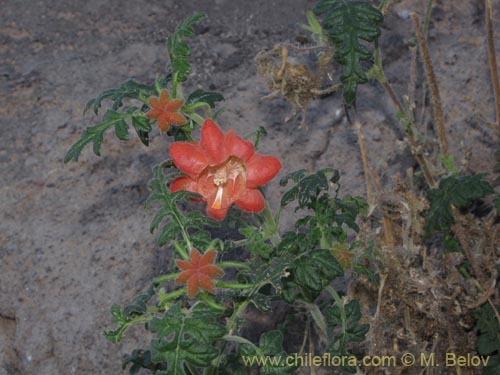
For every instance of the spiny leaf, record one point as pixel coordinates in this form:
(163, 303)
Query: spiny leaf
(347, 22)
(175, 221)
(185, 337)
(129, 90)
(459, 191)
(129, 315)
(178, 50)
(95, 134)
(307, 187)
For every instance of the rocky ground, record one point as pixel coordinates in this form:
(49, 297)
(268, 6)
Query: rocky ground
(74, 239)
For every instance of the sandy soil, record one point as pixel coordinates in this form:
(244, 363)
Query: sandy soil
(74, 239)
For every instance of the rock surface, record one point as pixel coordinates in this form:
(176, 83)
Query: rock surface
(74, 239)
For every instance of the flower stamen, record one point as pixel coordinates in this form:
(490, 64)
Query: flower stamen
(218, 198)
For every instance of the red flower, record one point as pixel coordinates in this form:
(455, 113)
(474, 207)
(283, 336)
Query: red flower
(165, 111)
(199, 272)
(224, 169)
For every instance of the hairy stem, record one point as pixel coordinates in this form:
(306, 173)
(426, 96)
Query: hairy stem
(364, 158)
(431, 78)
(492, 58)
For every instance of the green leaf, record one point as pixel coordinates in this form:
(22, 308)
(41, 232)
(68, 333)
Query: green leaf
(256, 242)
(459, 191)
(175, 221)
(129, 90)
(316, 270)
(178, 50)
(268, 273)
(271, 342)
(129, 315)
(201, 96)
(142, 127)
(261, 302)
(95, 134)
(138, 360)
(307, 187)
(488, 342)
(344, 327)
(347, 23)
(186, 338)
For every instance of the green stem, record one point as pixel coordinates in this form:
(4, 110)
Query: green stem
(209, 301)
(343, 316)
(427, 19)
(228, 264)
(234, 285)
(174, 84)
(173, 295)
(230, 325)
(194, 106)
(271, 225)
(382, 5)
(180, 249)
(164, 278)
(196, 118)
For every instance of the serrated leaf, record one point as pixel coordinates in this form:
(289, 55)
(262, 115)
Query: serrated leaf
(185, 337)
(307, 187)
(142, 127)
(129, 90)
(459, 191)
(174, 220)
(316, 270)
(201, 96)
(139, 359)
(95, 134)
(256, 243)
(271, 342)
(261, 302)
(178, 50)
(344, 327)
(347, 23)
(488, 343)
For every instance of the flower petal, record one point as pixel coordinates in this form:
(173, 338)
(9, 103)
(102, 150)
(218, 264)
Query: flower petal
(189, 157)
(155, 103)
(212, 139)
(261, 169)
(192, 286)
(195, 257)
(252, 201)
(184, 183)
(235, 145)
(217, 214)
(174, 105)
(175, 118)
(208, 257)
(164, 98)
(163, 122)
(206, 283)
(184, 264)
(212, 271)
(153, 113)
(184, 276)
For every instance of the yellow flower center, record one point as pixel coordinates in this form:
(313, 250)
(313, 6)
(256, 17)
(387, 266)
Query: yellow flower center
(224, 183)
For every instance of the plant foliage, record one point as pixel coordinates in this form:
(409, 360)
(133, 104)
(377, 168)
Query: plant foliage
(458, 191)
(347, 23)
